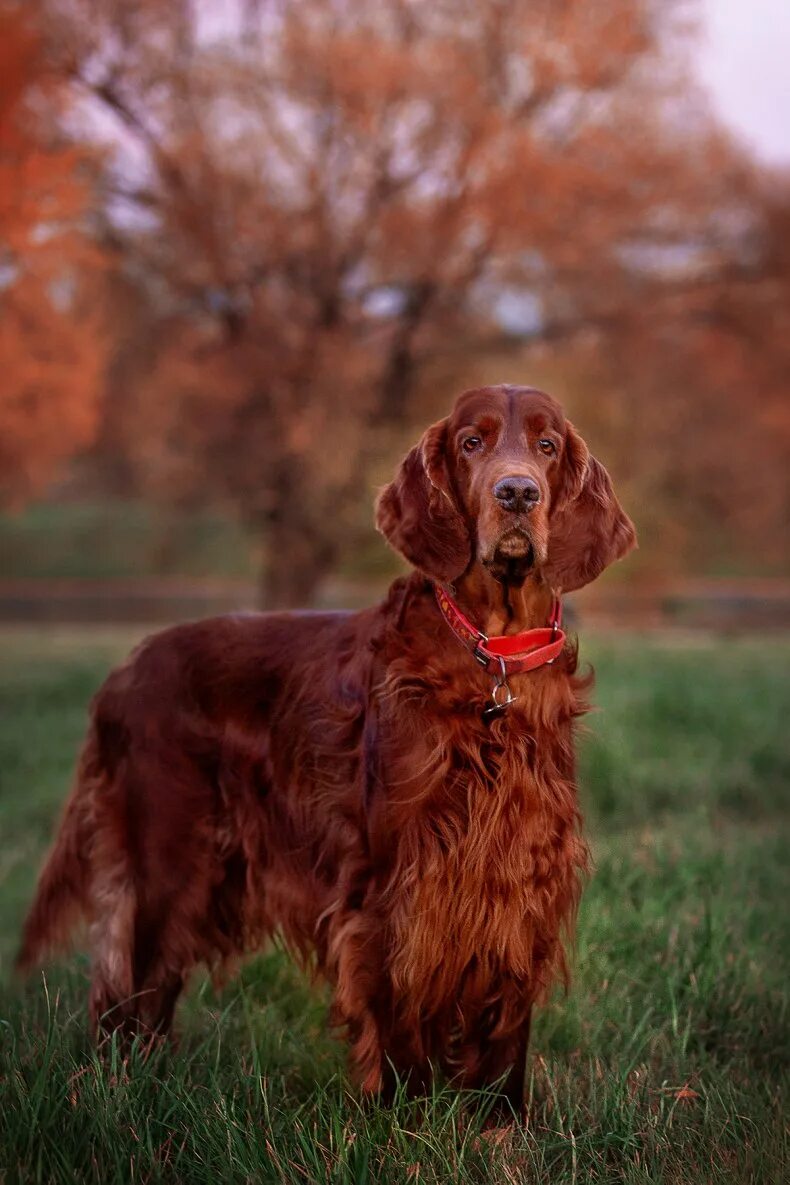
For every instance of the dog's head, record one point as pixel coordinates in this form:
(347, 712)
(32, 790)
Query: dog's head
(507, 482)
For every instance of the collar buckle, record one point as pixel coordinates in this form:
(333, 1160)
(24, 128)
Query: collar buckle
(480, 654)
(515, 653)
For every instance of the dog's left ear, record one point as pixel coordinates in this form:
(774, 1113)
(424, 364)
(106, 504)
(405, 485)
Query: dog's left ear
(417, 512)
(588, 527)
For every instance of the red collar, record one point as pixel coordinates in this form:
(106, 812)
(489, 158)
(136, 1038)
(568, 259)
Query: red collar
(509, 654)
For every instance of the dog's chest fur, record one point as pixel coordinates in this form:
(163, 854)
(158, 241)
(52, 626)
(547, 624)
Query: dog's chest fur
(485, 856)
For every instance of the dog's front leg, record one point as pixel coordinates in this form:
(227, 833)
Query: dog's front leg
(503, 1063)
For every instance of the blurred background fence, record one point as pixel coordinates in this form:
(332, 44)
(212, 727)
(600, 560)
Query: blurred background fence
(731, 606)
(249, 249)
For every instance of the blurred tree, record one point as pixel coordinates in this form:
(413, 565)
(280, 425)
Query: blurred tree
(317, 202)
(690, 396)
(52, 354)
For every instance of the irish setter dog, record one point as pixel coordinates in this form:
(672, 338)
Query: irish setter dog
(391, 791)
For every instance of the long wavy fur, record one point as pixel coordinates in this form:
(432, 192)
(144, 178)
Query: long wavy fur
(328, 779)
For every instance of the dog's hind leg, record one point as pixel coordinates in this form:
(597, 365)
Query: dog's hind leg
(111, 1005)
(133, 992)
(138, 970)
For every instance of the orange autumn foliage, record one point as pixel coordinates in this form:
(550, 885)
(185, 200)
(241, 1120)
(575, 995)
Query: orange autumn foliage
(52, 349)
(324, 217)
(319, 202)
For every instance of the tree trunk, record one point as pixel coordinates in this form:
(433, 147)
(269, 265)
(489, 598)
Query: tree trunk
(297, 557)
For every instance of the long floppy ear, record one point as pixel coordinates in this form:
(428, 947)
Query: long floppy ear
(589, 528)
(417, 513)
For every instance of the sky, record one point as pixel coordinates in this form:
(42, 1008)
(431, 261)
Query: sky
(744, 60)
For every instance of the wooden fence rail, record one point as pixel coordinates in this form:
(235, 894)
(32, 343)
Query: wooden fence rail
(691, 603)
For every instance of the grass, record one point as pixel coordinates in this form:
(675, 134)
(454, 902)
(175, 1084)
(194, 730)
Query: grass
(668, 1062)
(115, 538)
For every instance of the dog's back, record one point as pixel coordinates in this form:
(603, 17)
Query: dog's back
(186, 838)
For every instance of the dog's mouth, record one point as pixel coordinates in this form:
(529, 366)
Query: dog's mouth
(512, 557)
(515, 544)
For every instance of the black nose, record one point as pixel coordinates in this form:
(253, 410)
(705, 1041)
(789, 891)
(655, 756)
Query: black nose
(518, 494)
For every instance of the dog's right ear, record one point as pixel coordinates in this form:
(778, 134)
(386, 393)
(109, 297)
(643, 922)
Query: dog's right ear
(418, 515)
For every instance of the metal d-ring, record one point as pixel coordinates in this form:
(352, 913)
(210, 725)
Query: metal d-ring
(501, 685)
(501, 695)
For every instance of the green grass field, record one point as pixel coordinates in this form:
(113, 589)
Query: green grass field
(668, 1061)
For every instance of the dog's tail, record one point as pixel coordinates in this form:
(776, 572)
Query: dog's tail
(64, 884)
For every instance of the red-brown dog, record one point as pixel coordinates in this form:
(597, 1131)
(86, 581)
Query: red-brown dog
(391, 790)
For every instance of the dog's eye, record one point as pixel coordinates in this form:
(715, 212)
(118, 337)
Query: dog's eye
(471, 444)
(548, 447)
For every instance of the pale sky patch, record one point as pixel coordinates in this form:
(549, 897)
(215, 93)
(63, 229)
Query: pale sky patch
(744, 61)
